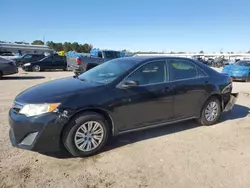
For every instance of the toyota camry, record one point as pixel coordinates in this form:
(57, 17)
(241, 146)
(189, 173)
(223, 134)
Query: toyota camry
(80, 113)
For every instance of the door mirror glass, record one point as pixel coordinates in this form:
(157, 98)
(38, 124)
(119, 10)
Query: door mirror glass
(129, 83)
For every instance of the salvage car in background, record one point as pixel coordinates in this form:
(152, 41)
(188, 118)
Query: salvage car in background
(240, 70)
(51, 62)
(7, 67)
(119, 96)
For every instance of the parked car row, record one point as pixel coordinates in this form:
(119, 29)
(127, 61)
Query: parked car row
(238, 70)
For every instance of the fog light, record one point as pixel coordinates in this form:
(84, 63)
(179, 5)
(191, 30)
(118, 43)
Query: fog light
(28, 140)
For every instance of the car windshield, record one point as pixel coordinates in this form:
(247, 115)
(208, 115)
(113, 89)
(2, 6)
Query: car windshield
(108, 71)
(243, 63)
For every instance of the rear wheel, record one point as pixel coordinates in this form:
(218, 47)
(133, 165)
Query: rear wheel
(211, 111)
(86, 134)
(1, 74)
(36, 68)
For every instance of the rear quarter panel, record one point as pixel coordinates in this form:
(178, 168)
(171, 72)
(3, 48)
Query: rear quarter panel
(7, 69)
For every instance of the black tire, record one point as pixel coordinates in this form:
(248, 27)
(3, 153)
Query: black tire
(66, 69)
(72, 127)
(1, 74)
(203, 120)
(36, 68)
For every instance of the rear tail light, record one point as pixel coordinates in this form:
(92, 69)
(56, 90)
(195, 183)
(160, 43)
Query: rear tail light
(230, 79)
(78, 61)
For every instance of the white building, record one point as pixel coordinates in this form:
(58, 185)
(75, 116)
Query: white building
(24, 48)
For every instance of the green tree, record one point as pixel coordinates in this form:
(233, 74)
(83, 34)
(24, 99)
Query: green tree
(37, 42)
(59, 47)
(201, 52)
(67, 46)
(75, 47)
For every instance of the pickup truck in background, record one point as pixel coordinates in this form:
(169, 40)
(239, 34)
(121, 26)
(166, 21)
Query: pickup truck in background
(97, 57)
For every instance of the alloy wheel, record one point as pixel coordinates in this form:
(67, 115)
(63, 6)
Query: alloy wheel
(212, 111)
(89, 136)
(36, 68)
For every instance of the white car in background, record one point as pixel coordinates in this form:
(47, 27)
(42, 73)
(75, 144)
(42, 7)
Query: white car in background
(7, 55)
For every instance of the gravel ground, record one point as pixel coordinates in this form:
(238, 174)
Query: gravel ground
(177, 156)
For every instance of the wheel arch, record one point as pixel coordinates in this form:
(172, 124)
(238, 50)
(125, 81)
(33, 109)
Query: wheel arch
(216, 95)
(98, 111)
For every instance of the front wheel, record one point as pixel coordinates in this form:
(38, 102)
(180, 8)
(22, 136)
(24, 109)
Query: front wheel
(36, 68)
(211, 111)
(86, 134)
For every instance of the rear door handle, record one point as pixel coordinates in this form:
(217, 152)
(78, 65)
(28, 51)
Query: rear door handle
(206, 83)
(167, 89)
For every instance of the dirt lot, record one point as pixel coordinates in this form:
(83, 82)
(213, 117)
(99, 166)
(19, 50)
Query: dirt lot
(176, 156)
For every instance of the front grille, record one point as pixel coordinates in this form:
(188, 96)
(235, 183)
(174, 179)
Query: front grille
(17, 107)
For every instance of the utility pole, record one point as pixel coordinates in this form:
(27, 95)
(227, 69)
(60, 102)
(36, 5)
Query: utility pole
(44, 39)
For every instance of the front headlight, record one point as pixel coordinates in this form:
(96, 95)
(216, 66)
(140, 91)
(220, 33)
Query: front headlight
(38, 109)
(27, 64)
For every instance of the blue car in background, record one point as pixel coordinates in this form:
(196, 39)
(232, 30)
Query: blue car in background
(240, 70)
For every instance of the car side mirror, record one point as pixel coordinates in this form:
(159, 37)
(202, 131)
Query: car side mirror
(129, 83)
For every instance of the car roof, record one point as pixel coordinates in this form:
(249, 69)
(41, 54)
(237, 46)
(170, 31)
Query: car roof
(143, 59)
(140, 59)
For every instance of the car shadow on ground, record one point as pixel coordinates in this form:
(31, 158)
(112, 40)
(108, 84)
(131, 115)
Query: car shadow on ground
(237, 112)
(22, 77)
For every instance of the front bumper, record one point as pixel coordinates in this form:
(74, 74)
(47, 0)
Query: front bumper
(26, 68)
(39, 133)
(231, 102)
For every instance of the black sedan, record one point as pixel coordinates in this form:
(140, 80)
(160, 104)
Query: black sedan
(116, 97)
(51, 62)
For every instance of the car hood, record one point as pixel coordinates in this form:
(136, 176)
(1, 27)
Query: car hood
(55, 91)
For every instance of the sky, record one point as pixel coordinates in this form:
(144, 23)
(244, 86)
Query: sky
(135, 25)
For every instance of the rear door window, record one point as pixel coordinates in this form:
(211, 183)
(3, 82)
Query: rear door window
(48, 59)
(182, 69)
